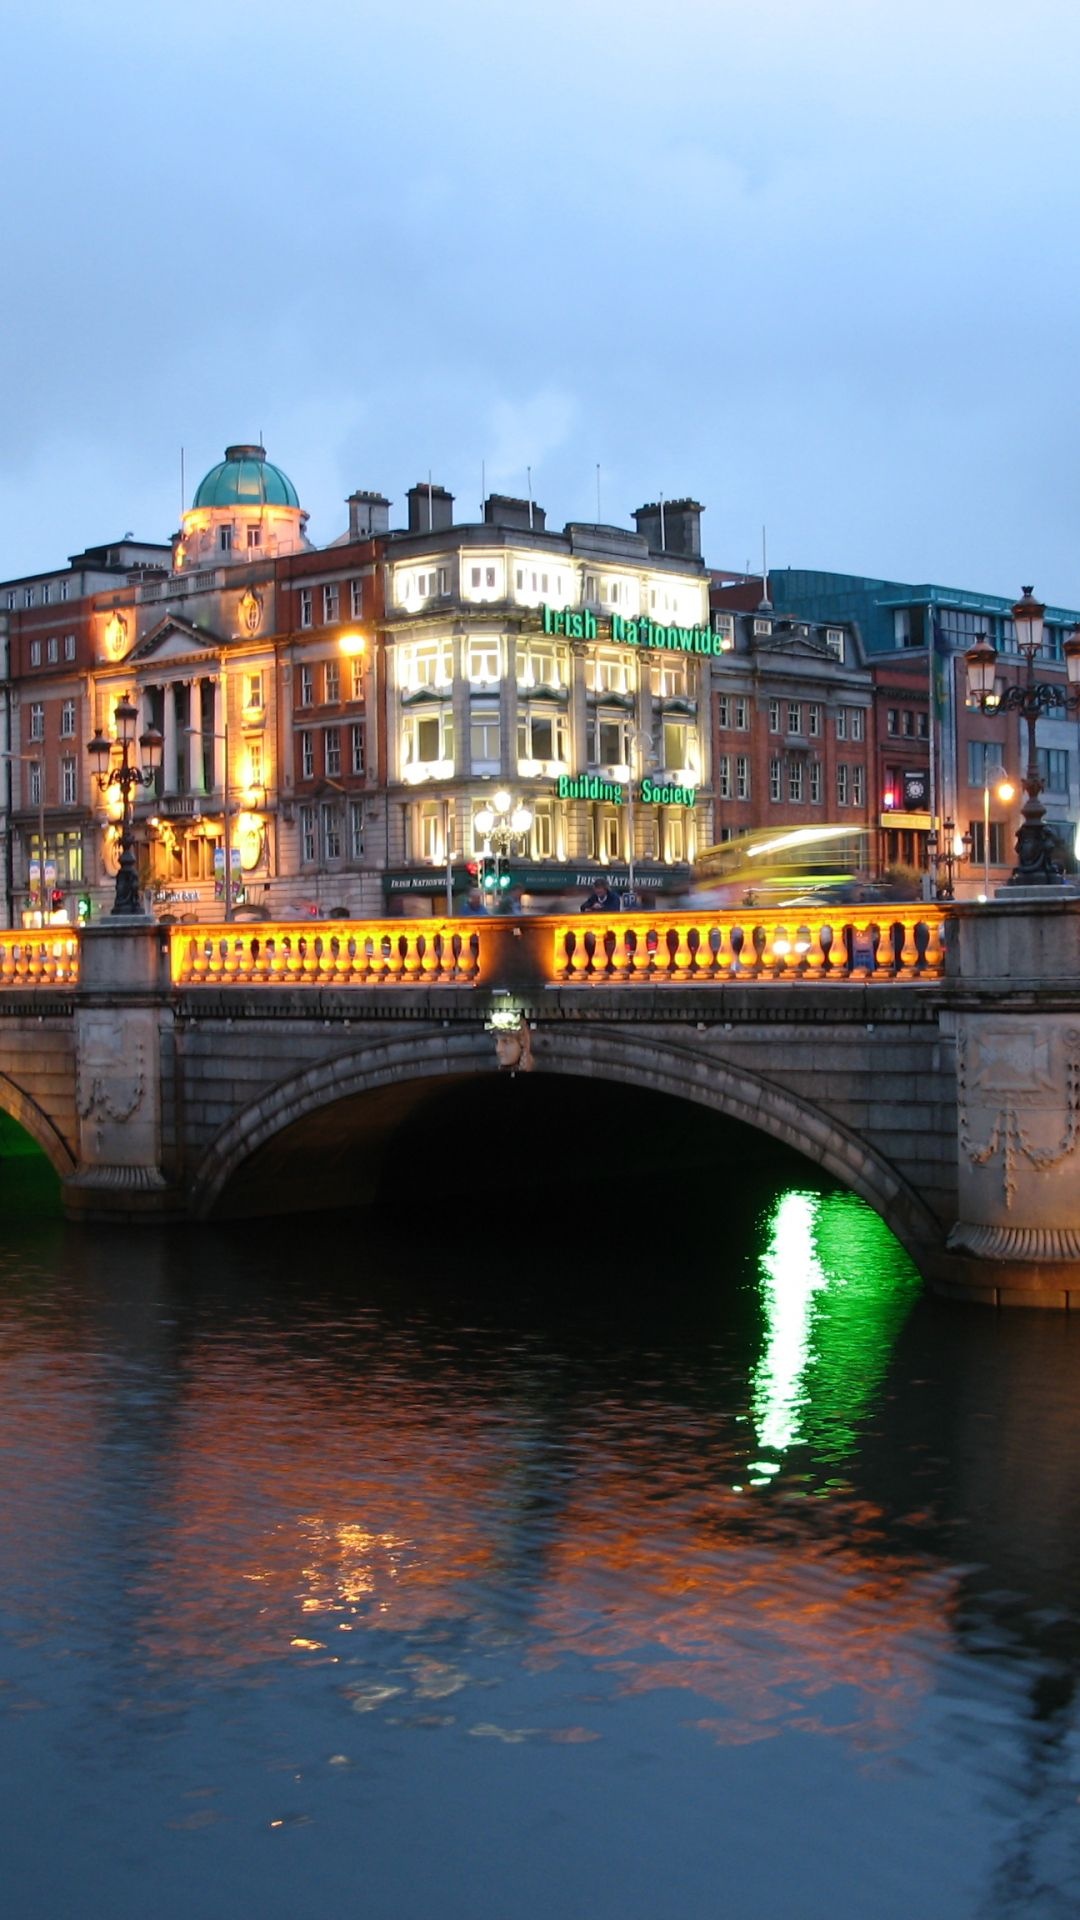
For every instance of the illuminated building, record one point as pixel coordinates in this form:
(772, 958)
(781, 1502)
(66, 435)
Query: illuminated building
(570, 669)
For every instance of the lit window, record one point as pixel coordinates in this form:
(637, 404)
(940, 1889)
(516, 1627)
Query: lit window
(543, 735)
(484, 739)
(482, 660)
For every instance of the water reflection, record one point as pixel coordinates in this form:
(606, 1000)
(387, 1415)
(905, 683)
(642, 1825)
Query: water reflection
(374, 1556)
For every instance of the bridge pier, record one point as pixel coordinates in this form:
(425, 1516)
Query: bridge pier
(121, 1023)
(1013, 970)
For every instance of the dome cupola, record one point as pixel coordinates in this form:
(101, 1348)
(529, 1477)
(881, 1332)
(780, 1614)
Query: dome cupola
(245, 508)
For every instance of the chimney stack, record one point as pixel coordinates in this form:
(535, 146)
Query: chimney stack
(672, 526)
(369, 514)
(431, 509)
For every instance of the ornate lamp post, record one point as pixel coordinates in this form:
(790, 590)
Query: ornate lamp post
(502, 821)
(124, 775)
(1031, 699)
(945, 852)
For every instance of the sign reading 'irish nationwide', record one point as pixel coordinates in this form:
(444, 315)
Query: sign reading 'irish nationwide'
(633, 633)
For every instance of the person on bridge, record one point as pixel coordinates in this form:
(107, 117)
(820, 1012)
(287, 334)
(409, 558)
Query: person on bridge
(473, 904)
(601, 899)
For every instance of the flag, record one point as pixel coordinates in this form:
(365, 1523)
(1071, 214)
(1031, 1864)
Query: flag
(939, 671)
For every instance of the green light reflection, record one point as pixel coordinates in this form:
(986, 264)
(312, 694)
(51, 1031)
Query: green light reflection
(835, 1289)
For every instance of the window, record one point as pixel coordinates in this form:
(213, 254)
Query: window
(37, 723)
(676, 738)
(65, 589)
(610, 673)
(985, 758)
(742, 776)
(332, 683)
(332, 752)
(68, 781)
(608, 739)
(307, 756)
(774, 716)
(858, 725)
(425, 663)
(542, 832)
(356, 689)
(254, 536)
(670, 678)
(484, 739)
(907, 724)
(330, 813)
(356, 599)
(674, 833)
(843, 785)
(46, 593)
(590, 593)
(35, 783)
(1054, 768)
(28, 597)
(482, 660)
(305, 607)
(813, 720)
(841, 723)
(607, 833)
(254, 752)
(69, 646)
(356, 829)
(815, 782)
(834, 640)
(52, 649)
(892, 721)
(307, 835)
(427, 737)
(329, 603)
(774, 779)
(763, 626)
(996, 844)
(543, 735)
(10, 599)
(307, 686)
(35, 653)
(542, 663)
(922, 726)
(224, 539)
(723, 776)
(858, 785)
(795, 781)
(724, 625)
(253, 690)
(67, 720)
(742, 715)
(356, 749)
(794, 716)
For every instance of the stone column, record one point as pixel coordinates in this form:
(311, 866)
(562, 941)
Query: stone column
(196, 777)
(171, 742)
(219, 685)
(1014, 972)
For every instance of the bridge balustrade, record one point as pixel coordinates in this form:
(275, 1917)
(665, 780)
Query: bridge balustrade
(39, 959)
(905, 944)
(746, 946)
(354, 953)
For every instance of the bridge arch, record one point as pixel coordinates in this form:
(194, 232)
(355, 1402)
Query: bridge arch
(579, 1050)
(36, 1122)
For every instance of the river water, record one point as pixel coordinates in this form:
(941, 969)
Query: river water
(425, 1568)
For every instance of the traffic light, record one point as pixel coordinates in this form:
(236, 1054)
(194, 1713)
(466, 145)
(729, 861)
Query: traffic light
(85, 905)
(57, 899)
(501, 881)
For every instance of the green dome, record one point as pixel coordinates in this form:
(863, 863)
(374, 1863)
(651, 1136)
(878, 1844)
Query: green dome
(245, 478)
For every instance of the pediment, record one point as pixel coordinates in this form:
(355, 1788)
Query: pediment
(176, 639)
(794, 645)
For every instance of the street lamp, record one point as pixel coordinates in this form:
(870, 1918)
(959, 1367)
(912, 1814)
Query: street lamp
(502, 821)
(640, 744)
(125, 775)
(945, 852)
(1031, 698)
(1005, 791)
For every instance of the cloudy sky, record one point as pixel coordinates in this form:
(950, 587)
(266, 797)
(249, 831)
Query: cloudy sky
(814, 261)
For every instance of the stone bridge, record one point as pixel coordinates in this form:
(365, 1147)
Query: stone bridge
(929, 1062)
